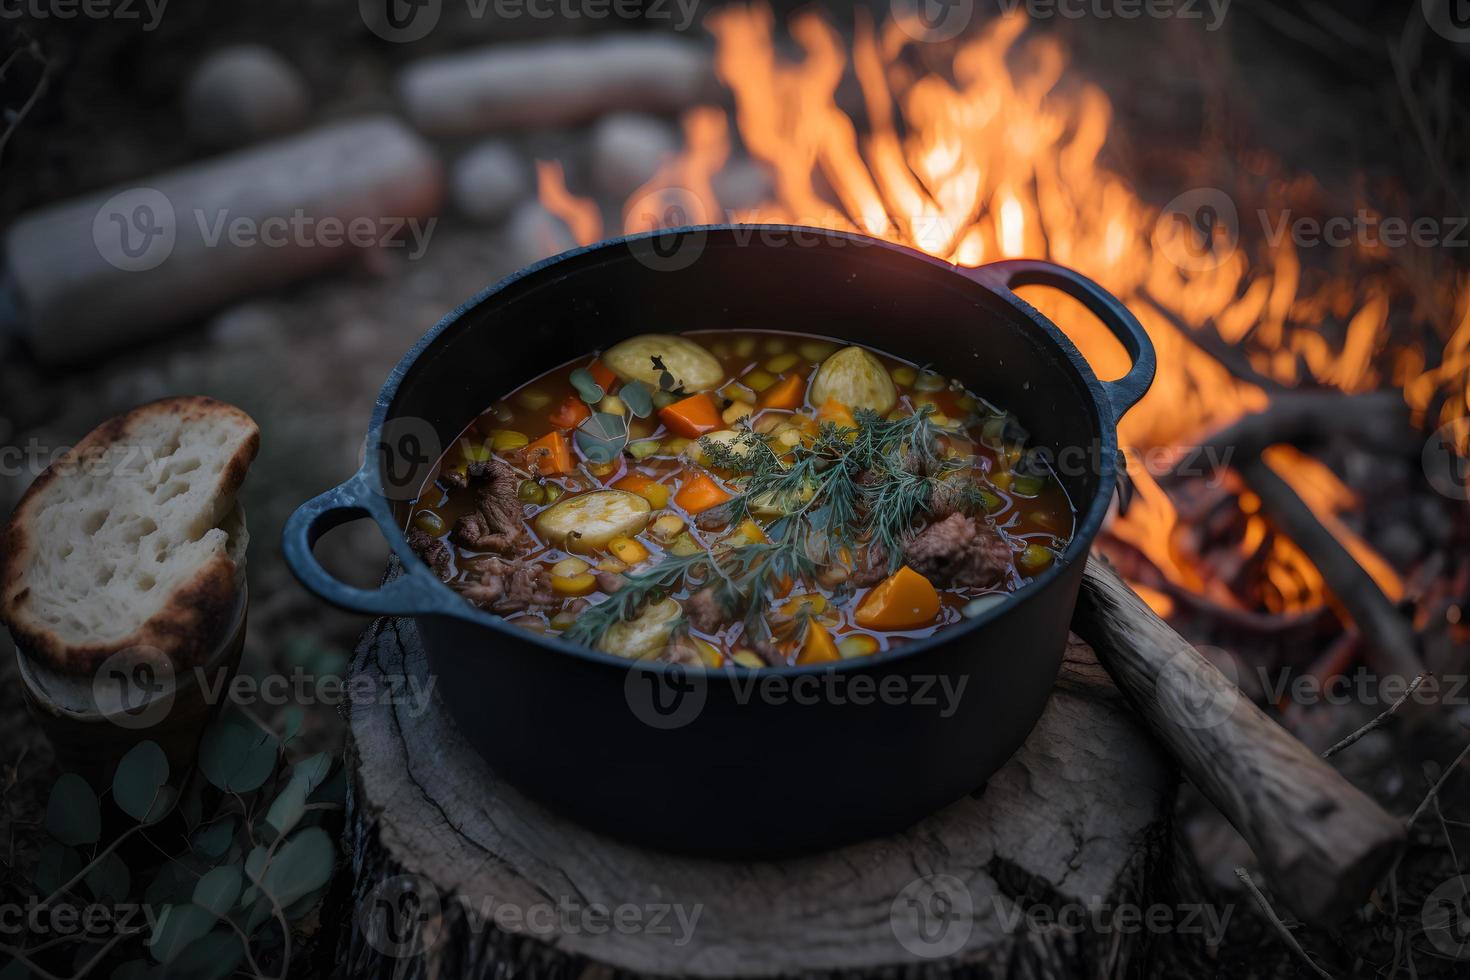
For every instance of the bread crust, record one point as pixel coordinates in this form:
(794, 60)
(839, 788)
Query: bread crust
(193, 617)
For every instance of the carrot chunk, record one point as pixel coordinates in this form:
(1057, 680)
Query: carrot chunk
(692, 417)
(785, 394)
(649, 489)
(570, 413)
(699, 493)
(550, 455)
(904, 600)
(818, 646)
(837, 413)
(603, 375)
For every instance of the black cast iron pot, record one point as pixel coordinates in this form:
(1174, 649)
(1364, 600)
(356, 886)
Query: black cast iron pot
(743, 762)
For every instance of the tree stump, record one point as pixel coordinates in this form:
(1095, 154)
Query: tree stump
(457, 874)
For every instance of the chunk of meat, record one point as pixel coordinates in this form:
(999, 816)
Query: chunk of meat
(610, 582)
(433, 552)
(871, 566)
(495, 524)
(705, 611)
(950, 497)
(508, 587)
(959, 551)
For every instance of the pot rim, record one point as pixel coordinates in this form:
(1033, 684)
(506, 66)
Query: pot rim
(369, 477)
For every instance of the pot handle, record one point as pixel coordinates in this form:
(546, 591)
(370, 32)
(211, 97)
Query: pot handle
(1125, 392)
(417, 592)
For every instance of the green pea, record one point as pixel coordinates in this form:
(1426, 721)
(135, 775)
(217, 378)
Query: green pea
(1035, 558)
(429, 522)
(530, 492)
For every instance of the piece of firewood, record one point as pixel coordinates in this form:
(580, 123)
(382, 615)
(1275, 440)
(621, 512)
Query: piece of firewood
(1322, 841)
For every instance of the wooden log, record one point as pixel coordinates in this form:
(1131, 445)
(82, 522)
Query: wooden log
(1388, 637)
(1323, 842)
(454, 870)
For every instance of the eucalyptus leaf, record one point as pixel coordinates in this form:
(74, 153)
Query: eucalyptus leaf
(109, 878)
(255, 863)
(170, 885)
(602, 436)
(177, 927)
(213, 840)
(259, 913)
(332, 790)
(58, 865)
(313, 769)
(138, 784)
(218, 890)
(212, 957)
(587, 387)
(292, 723)
(72, 813)
(237, 759)
(286, 809)
(301, 866)
(638, 398)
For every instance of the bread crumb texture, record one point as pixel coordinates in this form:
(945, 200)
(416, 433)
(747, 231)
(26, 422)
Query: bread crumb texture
(133, 538)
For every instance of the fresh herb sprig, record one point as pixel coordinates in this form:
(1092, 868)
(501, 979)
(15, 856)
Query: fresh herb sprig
(868, 483)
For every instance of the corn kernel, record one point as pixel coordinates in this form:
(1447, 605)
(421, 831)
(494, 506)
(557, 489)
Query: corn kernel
(758, 380)
(816, 350)
(857, 645)
(667, 527)
(748, 658)
(574, 585)
(782, 362)
(736, 412)
(534, 400)
(505, 440)
(904, 375)
(709, 653)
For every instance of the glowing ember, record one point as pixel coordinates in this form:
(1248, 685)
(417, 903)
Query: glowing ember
(996, 155)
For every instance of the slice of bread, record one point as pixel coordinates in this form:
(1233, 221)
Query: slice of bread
(132, 538)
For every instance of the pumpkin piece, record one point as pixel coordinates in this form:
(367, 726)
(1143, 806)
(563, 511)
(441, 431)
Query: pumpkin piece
(551, 455)
(699, 493)
(837, 413)
(786, 394)
(570, 413)
(904, 600)
(692, 417)
(646, 487)
(817, 647)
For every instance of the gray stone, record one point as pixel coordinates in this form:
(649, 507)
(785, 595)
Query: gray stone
(242, 94)
(536, 233)
(627, 150)
(490, 180)
(553, 83)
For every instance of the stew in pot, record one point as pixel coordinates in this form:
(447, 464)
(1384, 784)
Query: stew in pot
(751, 498)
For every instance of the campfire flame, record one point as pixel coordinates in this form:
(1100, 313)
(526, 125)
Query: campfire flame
(991, 150)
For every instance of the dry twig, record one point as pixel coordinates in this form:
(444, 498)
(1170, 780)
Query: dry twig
(1376, 722)
(1280, 926)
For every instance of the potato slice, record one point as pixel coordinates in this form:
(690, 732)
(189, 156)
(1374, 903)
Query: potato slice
(588, 521)
(855, 378)
(690, 364)
(644, 636)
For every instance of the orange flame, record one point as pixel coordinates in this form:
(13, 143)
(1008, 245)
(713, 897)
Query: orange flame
(999, 156)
